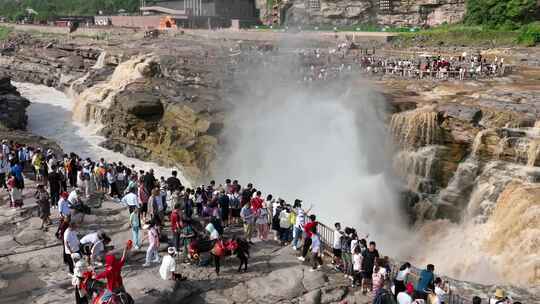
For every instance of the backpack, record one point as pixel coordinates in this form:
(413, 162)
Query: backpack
(234, 203)
(383, 296)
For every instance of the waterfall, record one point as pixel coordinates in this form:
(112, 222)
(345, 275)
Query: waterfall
(100, 62)
(459, 187)
(92, 102)
(415, 167)
(477, 143)
(415, 128)
(533, 153)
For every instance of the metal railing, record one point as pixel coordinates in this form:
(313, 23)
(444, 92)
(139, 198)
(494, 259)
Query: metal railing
(326, 234)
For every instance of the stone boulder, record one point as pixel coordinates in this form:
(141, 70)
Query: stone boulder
(143, 105)
(12, 106)
(279, 285)
(332, 295)
(74, 62)
(314, 280)
(466, 113)
(312, 297)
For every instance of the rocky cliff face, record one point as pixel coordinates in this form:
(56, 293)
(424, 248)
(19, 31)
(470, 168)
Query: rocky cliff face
(145, 109)
(150, 102)
(464, 153)
(12, 107)
(390, 12)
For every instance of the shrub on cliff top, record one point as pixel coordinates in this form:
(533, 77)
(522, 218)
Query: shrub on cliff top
(507, 14)
(50, 8)
(529, 34)
(4, 32)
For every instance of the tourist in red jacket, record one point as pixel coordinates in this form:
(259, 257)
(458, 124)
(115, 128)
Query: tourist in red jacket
(309, 227)
(113, 271)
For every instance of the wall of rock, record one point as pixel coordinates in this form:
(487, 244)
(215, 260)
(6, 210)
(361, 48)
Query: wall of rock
(381, 12)
(154, 103)
(12, 106)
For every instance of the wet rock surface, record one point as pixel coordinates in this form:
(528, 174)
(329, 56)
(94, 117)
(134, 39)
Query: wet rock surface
(12, 106)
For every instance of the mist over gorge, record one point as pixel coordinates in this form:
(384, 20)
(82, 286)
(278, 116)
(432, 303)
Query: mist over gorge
(440, 172)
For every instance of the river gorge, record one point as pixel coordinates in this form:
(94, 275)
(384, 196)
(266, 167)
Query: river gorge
(441, 172)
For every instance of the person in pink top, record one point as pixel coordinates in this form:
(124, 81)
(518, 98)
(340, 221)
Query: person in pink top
(152, 255)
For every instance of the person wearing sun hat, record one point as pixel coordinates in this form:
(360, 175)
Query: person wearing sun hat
(79, 269)
(167, 270)
(499, 297)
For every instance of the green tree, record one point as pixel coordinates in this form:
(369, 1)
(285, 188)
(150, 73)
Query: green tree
(49, 8)
(501, 13)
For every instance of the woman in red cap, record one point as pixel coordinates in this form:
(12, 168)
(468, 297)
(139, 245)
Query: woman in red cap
(63, 205)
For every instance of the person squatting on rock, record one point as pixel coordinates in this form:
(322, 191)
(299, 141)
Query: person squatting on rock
(167, 270)
(93, 246)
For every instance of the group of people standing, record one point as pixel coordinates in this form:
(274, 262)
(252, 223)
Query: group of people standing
(181, 216)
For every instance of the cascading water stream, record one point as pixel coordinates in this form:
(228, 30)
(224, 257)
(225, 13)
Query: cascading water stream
(49, 115)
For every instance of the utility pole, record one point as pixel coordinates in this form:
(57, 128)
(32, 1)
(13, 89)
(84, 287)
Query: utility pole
(143, 4)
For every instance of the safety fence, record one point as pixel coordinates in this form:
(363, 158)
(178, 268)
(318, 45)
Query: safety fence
(326, 234)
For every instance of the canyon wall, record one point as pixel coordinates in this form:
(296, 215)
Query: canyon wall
(159, 105)
(381, 12)
(469, 159)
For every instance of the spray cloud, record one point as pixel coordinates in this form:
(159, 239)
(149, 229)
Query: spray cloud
(322, 142)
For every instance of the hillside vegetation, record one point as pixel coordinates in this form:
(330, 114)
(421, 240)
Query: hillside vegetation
(486, 23)
(46, 9)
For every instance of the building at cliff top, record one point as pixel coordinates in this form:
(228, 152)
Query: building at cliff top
(353, 12)
(187, 13)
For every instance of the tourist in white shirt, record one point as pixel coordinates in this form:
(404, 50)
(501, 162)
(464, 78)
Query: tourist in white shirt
(74, 197)
(167, 270)
(499, 297)
(357, 266)
(63, 205)
(93, 245)
(402, 278)
(131, 200)
(336, 246)
(71, 244)
(441, 290)
(405, 297)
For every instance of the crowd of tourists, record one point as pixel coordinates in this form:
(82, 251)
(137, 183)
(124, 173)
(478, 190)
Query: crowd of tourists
(345, 59)
(323, 65)
(201, 225)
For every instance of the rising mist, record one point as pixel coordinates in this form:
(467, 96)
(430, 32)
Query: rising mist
(322, 142)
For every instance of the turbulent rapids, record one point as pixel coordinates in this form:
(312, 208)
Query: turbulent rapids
(494, 236)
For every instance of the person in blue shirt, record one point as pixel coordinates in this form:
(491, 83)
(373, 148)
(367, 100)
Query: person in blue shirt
(425, 283)
(16, 171)
(316, 249)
